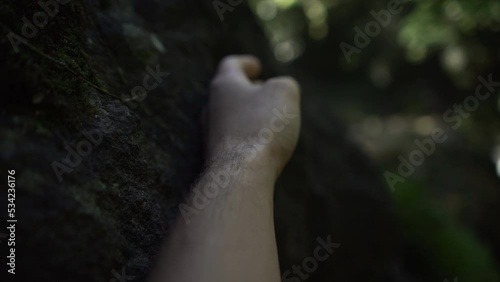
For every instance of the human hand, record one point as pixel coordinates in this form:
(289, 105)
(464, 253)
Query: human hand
(259, 120)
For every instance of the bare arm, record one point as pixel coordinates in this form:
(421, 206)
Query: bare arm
(226, 231)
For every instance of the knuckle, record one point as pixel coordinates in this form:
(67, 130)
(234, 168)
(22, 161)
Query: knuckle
(289, 84)
(219, 81)
(228, 60)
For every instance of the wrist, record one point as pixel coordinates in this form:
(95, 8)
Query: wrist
(251, 161)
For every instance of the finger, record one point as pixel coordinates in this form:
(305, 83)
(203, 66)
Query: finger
(245, 67)
(286, 84)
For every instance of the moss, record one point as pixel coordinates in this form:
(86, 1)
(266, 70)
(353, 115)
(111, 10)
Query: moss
(114, 209)
(49, 80)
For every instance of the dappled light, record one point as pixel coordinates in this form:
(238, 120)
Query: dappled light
(416, 81)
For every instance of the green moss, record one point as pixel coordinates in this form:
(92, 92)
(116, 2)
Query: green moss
(63, 40)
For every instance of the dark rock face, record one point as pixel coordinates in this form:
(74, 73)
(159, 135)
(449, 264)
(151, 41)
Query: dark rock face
(105, 216)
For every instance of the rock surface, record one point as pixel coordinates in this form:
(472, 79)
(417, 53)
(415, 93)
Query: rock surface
(106, 219)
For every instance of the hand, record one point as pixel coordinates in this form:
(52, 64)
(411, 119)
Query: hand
(252, 131)
(259, 120)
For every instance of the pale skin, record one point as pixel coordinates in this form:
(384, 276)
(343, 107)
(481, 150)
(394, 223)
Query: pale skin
(230, 237)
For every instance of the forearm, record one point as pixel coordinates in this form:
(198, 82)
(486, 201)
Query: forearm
(230, 237)
(226, 229)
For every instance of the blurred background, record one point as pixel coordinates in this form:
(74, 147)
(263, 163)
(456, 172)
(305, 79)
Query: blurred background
(378, 78)
(396, 90)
